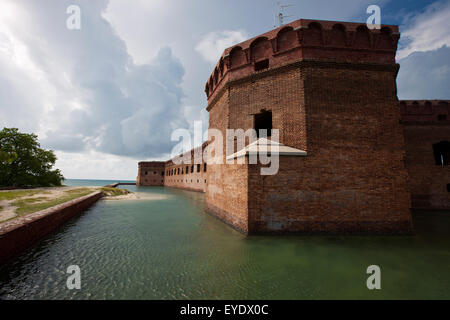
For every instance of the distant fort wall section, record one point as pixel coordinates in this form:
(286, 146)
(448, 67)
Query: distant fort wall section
(191, 176)
(426, 127)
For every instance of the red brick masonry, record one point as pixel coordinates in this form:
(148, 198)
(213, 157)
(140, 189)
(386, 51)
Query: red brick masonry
(21, 233)
(331, 90)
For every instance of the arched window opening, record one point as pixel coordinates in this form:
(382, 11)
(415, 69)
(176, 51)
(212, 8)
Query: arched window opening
(237, 57)
(338, 35)
(386, 41)
(442, 153)
(260, 49)
(362, 38)
(286, 39)
(313, 35)
(216, 77)
(221, 67)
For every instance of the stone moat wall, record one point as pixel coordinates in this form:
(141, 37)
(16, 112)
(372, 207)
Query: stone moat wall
(21, 233)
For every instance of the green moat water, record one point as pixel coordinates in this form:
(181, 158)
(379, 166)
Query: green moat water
(166, 247)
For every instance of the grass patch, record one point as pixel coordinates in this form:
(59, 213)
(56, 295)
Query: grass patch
(29, 201)
(26, 206)
(113, 192)
(11, 195)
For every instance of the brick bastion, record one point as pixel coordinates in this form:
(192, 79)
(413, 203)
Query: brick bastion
(330, 90)
(21, 233)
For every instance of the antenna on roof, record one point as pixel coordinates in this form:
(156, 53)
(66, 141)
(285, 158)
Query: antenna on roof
(281, 16)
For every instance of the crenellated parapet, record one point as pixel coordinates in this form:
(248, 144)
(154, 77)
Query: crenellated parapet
(305, 40)
(425, 111)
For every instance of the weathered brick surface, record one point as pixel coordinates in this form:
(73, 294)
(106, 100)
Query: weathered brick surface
(422, 128)
(340, 106)
(331, 89)
(150, 174)
(189, 176)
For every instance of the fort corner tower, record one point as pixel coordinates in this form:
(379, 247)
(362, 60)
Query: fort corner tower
(330, 90)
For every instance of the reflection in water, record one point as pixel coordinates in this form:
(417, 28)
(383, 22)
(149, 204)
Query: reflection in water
(163, 246)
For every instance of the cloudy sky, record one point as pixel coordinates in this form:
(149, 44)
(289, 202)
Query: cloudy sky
(110, 94)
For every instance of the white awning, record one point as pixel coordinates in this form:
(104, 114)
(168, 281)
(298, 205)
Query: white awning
(266, 146)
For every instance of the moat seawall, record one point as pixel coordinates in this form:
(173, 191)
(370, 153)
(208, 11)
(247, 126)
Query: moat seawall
(21, 233)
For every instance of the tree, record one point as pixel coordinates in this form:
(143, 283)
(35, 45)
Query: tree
(23, 163)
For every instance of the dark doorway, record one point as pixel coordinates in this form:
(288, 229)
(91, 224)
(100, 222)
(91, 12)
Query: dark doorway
(442, 153)
(262, 121)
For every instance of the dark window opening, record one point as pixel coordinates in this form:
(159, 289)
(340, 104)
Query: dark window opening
(261, 65)
(442, 117)
(146, 172)
(263, 121)
(154, 172)
(442, 153)
(162, 173)
(204, 167)
(187, 169)
(192, 169)
(448, 187)
(198, 167)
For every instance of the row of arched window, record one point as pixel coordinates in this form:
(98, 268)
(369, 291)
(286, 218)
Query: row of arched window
(154, 172)
(186, 170)
(187, 180)
(287, 38)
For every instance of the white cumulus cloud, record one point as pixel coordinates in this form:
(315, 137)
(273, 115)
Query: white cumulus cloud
(214, 43)
(426, 31)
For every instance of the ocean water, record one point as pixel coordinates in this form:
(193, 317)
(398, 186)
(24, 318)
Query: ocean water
(92, 183)
(165, 246)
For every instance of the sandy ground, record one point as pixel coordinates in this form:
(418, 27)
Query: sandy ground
(139, 196)
(7, 210)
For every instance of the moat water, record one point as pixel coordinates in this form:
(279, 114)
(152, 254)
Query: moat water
(165, 247)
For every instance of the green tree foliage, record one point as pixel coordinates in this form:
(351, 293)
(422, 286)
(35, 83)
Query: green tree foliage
(23, 163)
